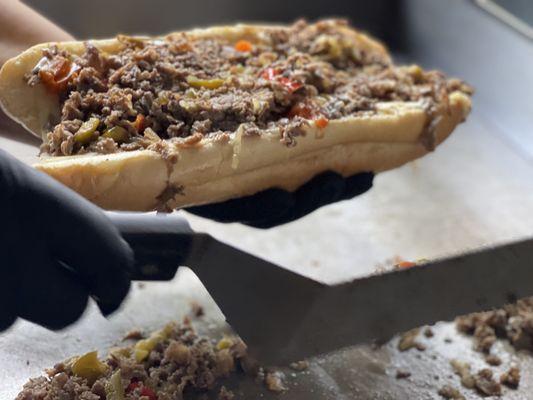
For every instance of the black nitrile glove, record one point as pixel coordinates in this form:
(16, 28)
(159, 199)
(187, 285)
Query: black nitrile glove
(274, 207)
(56, 249)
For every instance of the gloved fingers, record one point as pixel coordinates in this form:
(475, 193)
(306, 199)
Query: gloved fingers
(326, 188)
(357, 184)
(7, 298)
(80, 235)
(103, 267)
(7, 318)
(72, 230)
(268, 204)
(323, 189)
(10, 280)
(282, 217)
(50, 295)
(275, 207)
(99, 256)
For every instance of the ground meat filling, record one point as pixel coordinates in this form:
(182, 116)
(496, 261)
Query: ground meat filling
(181, 87)
(174, 363)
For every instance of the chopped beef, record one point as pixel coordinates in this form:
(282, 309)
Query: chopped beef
(197, 310)
(134, 334)
(178, 353)
(225, 394)
(485, 337)
(174, 363)
(513, 322)
(463, 370)
(428, 332)
(182, 89)
(485, 383)
(511, 378)
(60, 386)
(408, 341)
(493, 360)
(274, 381)
(299, 365)
(170, 364)
(449, 392)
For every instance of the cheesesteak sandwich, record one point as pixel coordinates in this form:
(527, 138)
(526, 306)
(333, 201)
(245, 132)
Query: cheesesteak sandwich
(207, 115)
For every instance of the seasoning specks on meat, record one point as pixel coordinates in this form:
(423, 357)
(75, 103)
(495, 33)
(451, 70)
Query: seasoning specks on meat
(183, 87)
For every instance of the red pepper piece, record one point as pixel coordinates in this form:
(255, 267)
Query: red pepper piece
(301, 110)
(243, 46)
(405, 264)
(289, 84)
(139, 123)
(144, 390)
(270, 73)
(56, 74)
(321, 122)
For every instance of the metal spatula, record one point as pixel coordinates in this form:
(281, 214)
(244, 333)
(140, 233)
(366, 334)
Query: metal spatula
(283, 316)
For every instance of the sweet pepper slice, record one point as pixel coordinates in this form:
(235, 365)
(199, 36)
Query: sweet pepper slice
(86, 133)
(114, 389)
(88, 366)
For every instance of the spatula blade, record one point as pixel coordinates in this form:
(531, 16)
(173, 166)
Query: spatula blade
(284, 317)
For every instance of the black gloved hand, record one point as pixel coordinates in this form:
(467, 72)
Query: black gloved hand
(274, 207)
(56, 249)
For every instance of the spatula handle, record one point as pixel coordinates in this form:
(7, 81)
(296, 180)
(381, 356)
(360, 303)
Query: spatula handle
(160, 242)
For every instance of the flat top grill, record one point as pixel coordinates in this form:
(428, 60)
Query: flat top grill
(476, 189)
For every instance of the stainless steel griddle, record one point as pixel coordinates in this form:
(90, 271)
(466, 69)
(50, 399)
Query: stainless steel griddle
(477, 189)
(354, 373)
